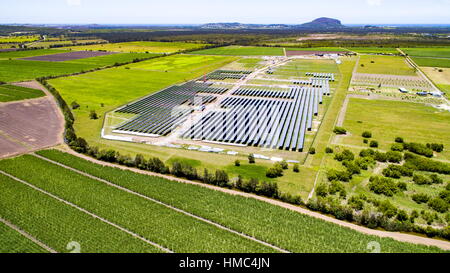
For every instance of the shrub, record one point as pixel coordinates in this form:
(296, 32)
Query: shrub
(435, 179)
(397, 147)
(397, 171)
(399, 140)
(322, 190)
(419, 149)
(221, 178)
(387, 209)
(237, 163)
(366, 134)
(289, 198)
(93, 115)
(421, 180)
(339, 131)
(365, 141)
(402, 216)
(364, 162)
(380, 157)
(74, 105)
(438, 205)
(335, 175)
(296, 168)
(80, 145)
(328, 150)
(337, 187)
(275, 171)
(373, 144)
(426, 164)
(367, 153)
(312, 150)
(352, 167)
(394, 157)
(436, 147)
(420, 198)
(383, 185)
(284, 165)
(251, 159)
(344, 155)
(269, 189)
(356, 203)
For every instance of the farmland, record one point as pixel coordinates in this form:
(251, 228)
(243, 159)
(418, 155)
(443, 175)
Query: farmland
(437, 52)
(242, 51)
(19, 39)
(13, 93)
(421, 123)
(373, 50)
(392, 65)
(432, 62)
(275, 225)
(12, 241)
(440, 76)
(141, 47)
(54, 43)
(14, 69)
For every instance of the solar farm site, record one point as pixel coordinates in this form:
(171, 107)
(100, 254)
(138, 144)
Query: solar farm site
(225, 108)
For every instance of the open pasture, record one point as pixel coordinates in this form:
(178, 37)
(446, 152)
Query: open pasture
(141, 47)
(432, 62)
(390, 119)
(28, 53)
(50, 43)
(374, 50)
(13, 93)
(391, 65)
(437, 52)
(242, 51)
(68, 56)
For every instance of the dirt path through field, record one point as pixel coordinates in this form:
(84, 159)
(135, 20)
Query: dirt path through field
(394, 235)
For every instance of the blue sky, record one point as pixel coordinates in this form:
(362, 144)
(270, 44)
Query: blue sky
(207, 11)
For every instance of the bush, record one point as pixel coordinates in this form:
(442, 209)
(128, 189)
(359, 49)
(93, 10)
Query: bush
(251, 159)
(383, 185)
(419, 149)
(420, 198)
(93, 115)
(373, 144)
(312, 150)
(365, 141)
(367, 153)
(402, 216)
(269, 189)
(322, 190)
(387, 209)
(296, 168)
(426, 164)
(435, 179)
(421, 180)
(397, 171)
(221, 178)
(289, 198)
(275, 171)
(328, 150)
(356, 203)
(364, 162)
(237, 163)
(436, 147)
(438, 205)
(366, 134)
(380, 157)
(344, 155)
(284, 165)
(399, 140)
(352, 167)
(335, 175)
(397, 147)
(394, 157)
(337, 187)
(74, 105)
(339, 131)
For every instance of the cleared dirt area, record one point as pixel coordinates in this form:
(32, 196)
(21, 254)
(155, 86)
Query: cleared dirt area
(29, 125)
(68, 56)
(290, 53)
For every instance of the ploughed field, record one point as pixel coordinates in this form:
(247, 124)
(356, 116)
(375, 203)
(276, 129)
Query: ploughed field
(29, 125)
(139, 213)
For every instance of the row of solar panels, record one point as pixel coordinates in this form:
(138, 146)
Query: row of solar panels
(276, 124)
(162, 111)
(329, 76)
(228, 74)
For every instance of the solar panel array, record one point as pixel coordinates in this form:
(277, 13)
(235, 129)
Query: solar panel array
(329, 76)
(261, 122)
(159, 113)
(228, 74)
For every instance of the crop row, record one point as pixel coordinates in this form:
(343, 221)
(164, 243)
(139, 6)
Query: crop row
(282, 227)
(12, 241)
(155, 222)
(57, 224)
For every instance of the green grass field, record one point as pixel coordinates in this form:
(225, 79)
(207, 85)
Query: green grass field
(391, 65)
(373, 50)
(14, 69)
(242, 51)
(47, 44)
(13, 93)
(19, 39)
(147, 47)
(431, 62)
(440, 52)
(337, 49)
(264, 221)
(390, 119)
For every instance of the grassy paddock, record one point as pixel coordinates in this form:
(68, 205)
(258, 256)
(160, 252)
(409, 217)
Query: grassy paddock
(391, 65)
(242, 51)
(143, 46)
(432, 62)
(441, 52)
(13, 93)
(390, 119)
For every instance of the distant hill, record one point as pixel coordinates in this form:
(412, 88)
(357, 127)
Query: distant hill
(323, 23)
(320, 23)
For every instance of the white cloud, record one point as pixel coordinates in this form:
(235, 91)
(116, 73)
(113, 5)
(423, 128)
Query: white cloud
(374, 2)
(73, 3)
